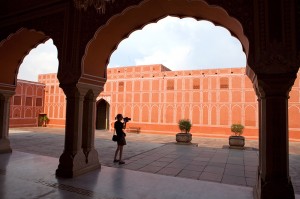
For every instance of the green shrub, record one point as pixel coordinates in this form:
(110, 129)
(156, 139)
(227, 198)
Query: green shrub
(185, 125)
(44, 118)
(237, 129)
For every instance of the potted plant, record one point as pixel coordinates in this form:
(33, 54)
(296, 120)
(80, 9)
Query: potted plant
(44, 119)
(236, 140)
(185, 136)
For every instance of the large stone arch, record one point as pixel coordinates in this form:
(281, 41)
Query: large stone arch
(119, 27)
(20, 43)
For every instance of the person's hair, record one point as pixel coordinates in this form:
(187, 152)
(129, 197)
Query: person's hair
(119, 116)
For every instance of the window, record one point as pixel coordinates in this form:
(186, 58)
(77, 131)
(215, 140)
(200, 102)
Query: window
(170, 84)
(28, 101)
(224, 83)
(17, 100)
(52, 89)
(196, 83)
(121, 86)
(38, 102)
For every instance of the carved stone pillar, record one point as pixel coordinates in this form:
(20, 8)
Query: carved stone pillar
(273, 172)
(4, 121)
(259, 100)
(73, 161)
(88, 126)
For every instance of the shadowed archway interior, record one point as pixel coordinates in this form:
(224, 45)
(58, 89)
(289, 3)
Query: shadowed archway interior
(102, 118)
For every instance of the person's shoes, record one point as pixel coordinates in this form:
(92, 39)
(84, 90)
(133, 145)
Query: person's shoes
(121, 162)
(115, 161)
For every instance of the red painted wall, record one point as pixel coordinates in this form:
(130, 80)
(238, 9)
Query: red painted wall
(26, 104)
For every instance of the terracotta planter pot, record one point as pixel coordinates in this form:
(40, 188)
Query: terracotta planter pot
(236, 141)
(184, 137)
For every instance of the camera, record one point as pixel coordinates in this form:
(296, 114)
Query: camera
(126, 119)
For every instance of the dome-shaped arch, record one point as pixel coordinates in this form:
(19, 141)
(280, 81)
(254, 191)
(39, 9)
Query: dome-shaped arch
(120, 109)
(127, 112)
(107, 37)
(179, 112)
(16, 113)
(186, 112)
(224, 115)
(205, 114)
(213, 115)
(294, 116)
(236, 113)
(154, 114)
(29, 90)
(250, 115)
(20, 43)
(169, 116)
(136, 113)
(196, 114)
(145, 113)
(28, 113)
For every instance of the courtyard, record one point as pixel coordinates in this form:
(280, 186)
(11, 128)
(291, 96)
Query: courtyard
(207, 159)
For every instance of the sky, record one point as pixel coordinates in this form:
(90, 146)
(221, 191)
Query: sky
(179, 44)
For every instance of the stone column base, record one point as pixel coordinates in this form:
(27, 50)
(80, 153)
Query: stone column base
(71, 166)
(5, 146)
(277, 188)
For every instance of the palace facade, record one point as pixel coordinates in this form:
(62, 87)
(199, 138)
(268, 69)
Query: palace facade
(155, 98)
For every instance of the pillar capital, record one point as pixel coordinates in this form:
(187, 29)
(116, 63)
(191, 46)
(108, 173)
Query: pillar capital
(6, 94)
(81, 89)
(274, 85)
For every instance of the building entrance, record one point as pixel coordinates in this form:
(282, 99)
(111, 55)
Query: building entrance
(102, 118)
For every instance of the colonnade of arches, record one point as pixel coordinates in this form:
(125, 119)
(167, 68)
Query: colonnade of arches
(84, 51)
(198, 114)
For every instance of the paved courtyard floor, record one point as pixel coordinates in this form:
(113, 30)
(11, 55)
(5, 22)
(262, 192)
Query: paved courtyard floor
(207, 159)
(31, 176)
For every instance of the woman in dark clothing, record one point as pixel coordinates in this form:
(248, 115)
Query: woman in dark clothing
(119, 126)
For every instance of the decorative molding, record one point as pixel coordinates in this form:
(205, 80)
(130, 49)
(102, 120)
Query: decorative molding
(274, 85)
(104, 97)
(277, 59)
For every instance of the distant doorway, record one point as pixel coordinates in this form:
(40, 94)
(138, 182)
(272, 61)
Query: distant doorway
(102, 118)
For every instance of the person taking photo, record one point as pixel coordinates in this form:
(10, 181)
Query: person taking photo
(121, 141)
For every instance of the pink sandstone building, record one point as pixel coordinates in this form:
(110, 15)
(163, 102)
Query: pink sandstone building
(155, 98)
(27, 104)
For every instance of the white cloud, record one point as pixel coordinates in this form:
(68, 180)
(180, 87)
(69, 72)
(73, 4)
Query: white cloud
(41, 60)
(166, 41)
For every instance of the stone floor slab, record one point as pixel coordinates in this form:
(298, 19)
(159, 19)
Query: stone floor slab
(236, 180)
(214, 169)
(210, 177)
(189, 174)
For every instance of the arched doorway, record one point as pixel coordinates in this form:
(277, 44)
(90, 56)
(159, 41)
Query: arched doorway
(102, 115)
